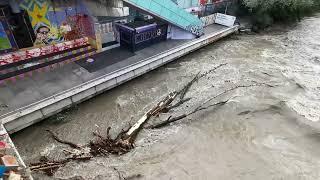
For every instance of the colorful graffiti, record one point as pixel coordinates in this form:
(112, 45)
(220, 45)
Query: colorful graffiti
(41, 51)
(4, 40)
(57, 21)
(7, 42)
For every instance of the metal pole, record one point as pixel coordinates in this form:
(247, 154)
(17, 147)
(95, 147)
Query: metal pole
(225, 11)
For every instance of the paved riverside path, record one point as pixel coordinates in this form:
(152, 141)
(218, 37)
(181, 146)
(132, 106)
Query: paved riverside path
(15, 96)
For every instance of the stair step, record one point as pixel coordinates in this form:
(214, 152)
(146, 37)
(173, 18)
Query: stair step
(23, 56)
(47, 66)
(43, 59)
(18, 63)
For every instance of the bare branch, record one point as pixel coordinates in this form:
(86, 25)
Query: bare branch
(212, 70)
(55, 137)
(229, 90)
(124, 141)
(171, 120)
(203, 107)
(187, 87)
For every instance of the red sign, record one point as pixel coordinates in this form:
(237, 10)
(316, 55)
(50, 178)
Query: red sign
(203, 2)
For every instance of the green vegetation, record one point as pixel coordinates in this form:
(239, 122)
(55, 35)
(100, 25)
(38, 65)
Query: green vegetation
(266, 12)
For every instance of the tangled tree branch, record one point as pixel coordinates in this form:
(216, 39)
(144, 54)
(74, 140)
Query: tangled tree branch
(103, 146)
(171, 120)
(55, 137)
(212, 70)
(124, 141)
(50, 167)
(203, 107)
(187, 87)
(234, 88)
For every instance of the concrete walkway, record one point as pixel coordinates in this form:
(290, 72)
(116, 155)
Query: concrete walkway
(34, 98)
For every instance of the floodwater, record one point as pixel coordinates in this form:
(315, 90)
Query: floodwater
(261, 133)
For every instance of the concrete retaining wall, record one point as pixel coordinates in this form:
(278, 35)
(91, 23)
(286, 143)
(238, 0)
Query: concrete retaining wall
(35, 112)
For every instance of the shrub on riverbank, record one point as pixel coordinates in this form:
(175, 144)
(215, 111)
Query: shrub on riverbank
(266, 12)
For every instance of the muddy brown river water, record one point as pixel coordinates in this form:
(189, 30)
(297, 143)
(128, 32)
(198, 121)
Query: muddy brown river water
(261, 133)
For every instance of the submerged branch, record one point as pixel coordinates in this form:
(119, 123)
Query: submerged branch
(171, 120)
(203, 106)
(55, 137)
(124, 141)
(187, 87)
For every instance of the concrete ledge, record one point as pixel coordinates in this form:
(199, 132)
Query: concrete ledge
(26, 116)
(141, 70)
(25, 121)
(56, 107)
(106, 85)
(155, 64)
(82, 96)
(125, 77)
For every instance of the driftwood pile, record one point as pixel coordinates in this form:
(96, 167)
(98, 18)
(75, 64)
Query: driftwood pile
(124, 141)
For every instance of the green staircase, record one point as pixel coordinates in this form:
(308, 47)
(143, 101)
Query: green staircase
(167, 10)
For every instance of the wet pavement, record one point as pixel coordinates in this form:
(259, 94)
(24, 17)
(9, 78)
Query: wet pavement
(261, 133)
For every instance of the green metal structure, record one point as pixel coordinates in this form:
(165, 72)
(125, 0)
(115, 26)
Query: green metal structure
(169, 11)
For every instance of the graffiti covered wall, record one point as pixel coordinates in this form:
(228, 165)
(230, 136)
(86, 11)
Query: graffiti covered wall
(7, 42)
(56, 21)
(4, 40)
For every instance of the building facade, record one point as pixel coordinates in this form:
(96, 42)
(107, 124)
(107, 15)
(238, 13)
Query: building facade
(43, 22)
